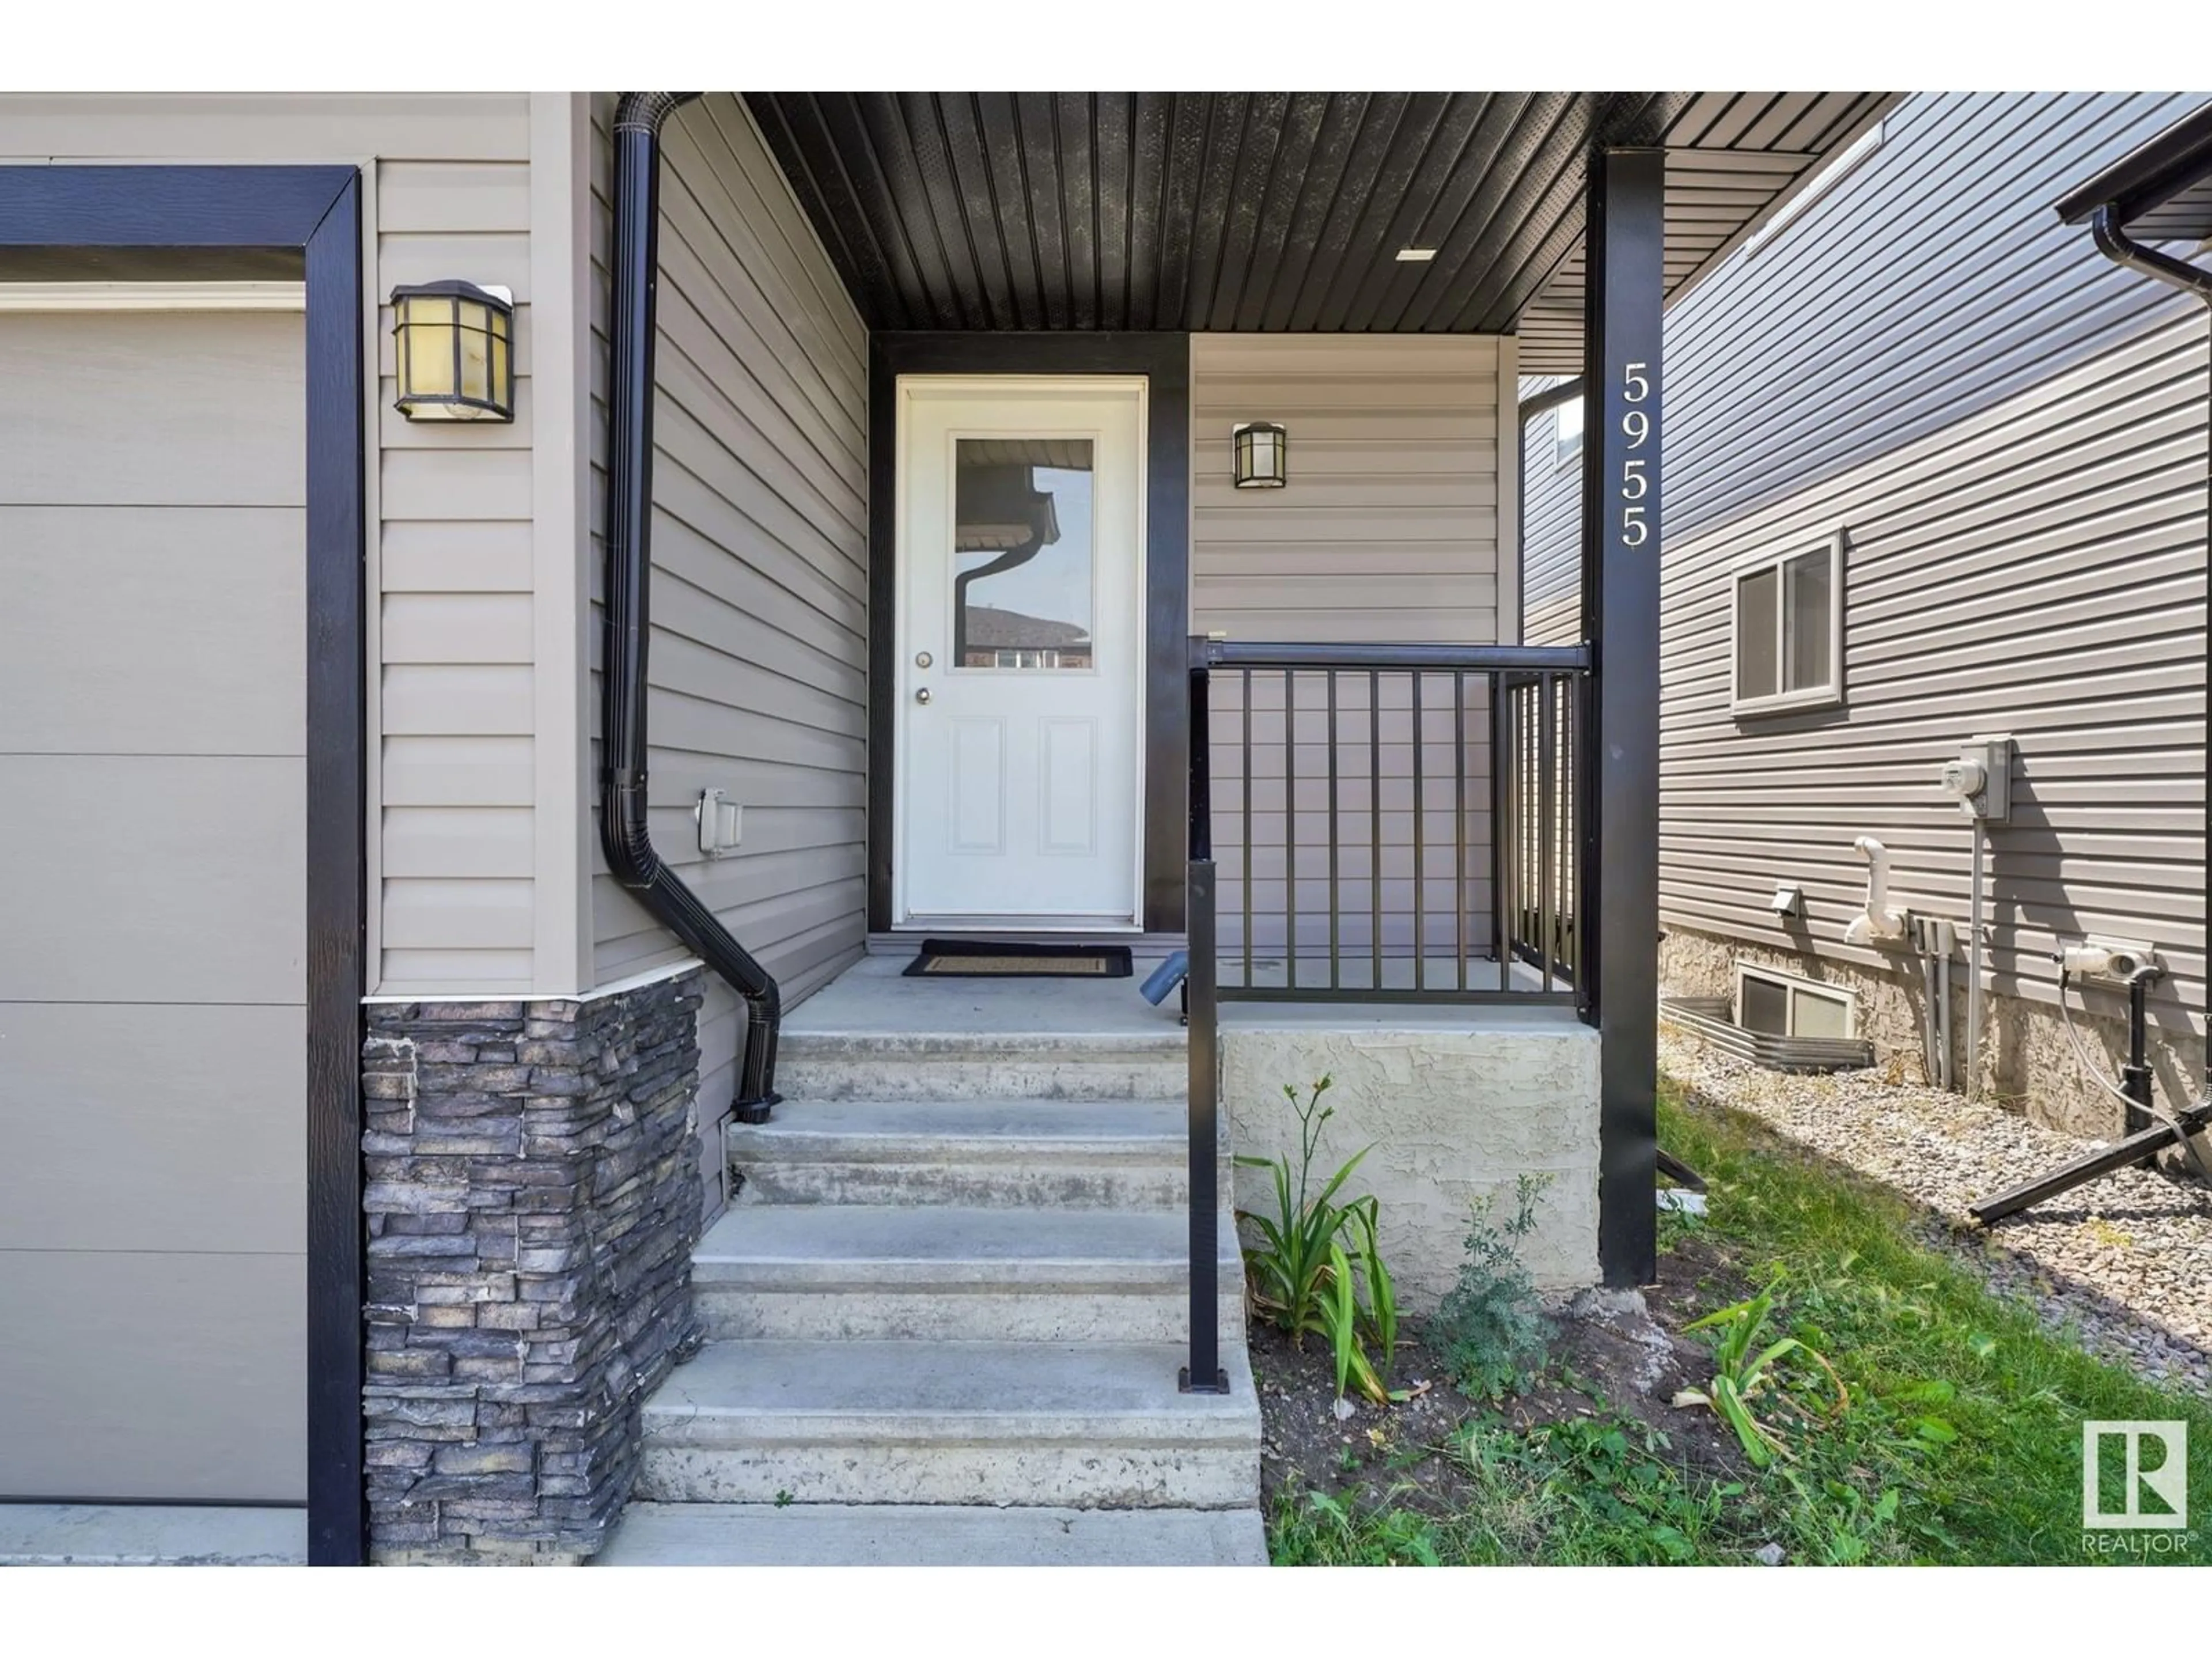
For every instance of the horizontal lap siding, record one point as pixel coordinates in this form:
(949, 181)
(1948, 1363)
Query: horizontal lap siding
(1387, 534)
(2033, 564)
(448, 183)
(759, 664)
(1551, 537)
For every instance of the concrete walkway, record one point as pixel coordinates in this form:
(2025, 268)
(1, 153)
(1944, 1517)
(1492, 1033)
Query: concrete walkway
(151, 1535)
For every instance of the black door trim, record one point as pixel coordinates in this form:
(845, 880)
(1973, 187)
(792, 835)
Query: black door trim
(1164, 360)
(120, 222)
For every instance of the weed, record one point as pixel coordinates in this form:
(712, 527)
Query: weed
(1489, 1331)
(1743, 1371)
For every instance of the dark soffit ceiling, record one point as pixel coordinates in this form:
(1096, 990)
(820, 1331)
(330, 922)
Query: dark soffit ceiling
(1269, 211)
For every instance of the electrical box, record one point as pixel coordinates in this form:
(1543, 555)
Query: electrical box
(1980, 780)
(1931, 936)
(722, 823)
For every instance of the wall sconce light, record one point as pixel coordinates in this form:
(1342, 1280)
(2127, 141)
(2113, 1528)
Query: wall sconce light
(455, 348)
(1262, 456)
(1789, 900)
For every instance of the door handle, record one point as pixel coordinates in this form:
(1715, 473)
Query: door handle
(923, 695)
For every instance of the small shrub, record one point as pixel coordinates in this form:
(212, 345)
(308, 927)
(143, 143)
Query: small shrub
(1490, 1332)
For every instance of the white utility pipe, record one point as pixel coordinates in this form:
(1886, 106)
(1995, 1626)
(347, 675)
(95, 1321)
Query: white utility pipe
(1877, 922)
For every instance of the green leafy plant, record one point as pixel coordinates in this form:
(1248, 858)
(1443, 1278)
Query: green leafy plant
(1301, 1276)
(1489, 1333)
(1744, 1372)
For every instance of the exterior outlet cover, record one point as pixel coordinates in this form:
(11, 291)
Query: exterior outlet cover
(722, 823)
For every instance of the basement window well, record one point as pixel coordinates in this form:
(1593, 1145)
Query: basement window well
(1780, 1005)
(1788, 629)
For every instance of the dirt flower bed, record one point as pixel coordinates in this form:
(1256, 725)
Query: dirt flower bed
(1609, 1354)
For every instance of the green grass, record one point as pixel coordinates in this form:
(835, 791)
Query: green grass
(1961, 1444)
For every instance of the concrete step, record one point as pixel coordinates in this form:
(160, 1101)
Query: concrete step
(1035, 1424)
(831, 1273)
(1075, 1065)
(931, 1535)
(1112, 1155)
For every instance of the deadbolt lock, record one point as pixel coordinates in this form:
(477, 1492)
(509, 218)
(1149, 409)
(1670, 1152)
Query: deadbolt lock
(922, 659)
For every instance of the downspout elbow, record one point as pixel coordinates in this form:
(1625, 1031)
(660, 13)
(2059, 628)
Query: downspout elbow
(2115, 244)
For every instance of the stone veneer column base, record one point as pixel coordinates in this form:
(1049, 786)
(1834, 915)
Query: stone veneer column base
(532, 1201)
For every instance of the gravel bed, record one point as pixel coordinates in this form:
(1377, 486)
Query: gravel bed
(2125, 1261)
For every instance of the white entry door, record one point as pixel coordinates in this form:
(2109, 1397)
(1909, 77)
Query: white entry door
(1021, 652)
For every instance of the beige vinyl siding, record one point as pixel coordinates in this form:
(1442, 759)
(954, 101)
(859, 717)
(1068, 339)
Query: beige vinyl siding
(458, 782)
(2036, 569)
(1387, 534)
(758, 661)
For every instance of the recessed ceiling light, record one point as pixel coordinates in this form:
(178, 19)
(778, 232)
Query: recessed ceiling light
(1416, 256)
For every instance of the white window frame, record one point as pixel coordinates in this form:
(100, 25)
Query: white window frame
(1793, 983)
(1830, 693)
(1567, 449)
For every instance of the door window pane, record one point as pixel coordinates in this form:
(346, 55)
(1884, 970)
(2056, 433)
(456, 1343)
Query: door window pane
(1022, 584)
(1755, 667)
(1806, 621)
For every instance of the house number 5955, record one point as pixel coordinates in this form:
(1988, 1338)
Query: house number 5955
(1635, 472)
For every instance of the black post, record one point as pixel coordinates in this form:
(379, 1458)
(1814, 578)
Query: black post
(1201, 756)
(1204, 1374)
(2135, 1076)
(1618, 893)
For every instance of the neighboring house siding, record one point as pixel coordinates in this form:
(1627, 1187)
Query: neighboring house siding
(2011, 433)
(758, 661)
(1550, 535)
(1388, 532)
(458, 782)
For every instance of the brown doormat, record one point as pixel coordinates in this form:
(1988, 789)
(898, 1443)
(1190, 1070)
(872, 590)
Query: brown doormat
(960, 958)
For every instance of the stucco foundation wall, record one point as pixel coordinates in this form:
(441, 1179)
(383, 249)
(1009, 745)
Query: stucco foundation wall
(1453, 1115)
(2027, 1064)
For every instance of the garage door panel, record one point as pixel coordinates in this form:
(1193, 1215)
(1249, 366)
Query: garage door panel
(137, 1127)
(145, 631)
(153, 878)
(153, 1376)
(153, 408)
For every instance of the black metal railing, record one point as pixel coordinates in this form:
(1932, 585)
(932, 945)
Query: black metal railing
(1395, 823)
(1383, 740)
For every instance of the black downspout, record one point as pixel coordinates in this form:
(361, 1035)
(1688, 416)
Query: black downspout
(2114, 243)
(622, 737)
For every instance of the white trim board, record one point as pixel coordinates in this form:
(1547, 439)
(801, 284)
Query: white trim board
(493, 993)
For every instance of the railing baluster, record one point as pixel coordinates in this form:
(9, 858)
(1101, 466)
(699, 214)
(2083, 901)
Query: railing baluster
(1547, 714)
(1244, 697)
(1420, 903)
(1459, 825)
(1290, 826)
(1335, 908)
(1375, 824)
